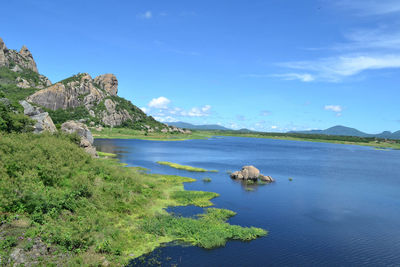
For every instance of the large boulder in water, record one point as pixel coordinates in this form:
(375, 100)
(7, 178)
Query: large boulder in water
(247, 172)
(251, 173)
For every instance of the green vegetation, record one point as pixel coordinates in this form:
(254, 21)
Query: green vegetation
(290, 179)
(207, 180)
(14, 93)
(348, 140)
(127, 133)
(210, 231)
(184, 167)
(11, 120)
(60, 116)
(8, 77)
(105, 154)
(74, 78)
(197, 198)
(91, 209)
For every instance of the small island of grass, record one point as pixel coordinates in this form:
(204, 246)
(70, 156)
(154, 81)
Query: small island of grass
(184, 167)
(106, 154)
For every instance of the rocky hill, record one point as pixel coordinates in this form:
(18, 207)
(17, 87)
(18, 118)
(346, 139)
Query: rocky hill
(93, 101)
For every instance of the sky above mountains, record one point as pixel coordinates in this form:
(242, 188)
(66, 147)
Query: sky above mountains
(276, 65)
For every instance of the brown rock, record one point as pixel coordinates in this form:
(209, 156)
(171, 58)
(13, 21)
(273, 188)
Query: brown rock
(83, 131)
(266, 178)
(107, 82)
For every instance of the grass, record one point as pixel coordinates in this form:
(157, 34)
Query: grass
(207, 180)
(197, 198)
(90, 210)
(184, 167)
(105, 154)
(126, 133)
(209, 231)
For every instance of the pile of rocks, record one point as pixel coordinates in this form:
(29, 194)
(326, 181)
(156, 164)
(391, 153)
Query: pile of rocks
(251, 173)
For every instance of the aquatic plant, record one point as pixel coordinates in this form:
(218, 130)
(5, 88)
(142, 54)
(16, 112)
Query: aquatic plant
(184, 167)
(209, 231)
(207, 180)
(105, 154)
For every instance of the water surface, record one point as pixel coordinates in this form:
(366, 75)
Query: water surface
(341, 209)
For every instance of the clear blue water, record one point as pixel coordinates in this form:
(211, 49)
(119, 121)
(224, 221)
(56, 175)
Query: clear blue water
(341, 209)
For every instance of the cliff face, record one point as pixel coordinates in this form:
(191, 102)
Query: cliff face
(80, 97)
(98, 96)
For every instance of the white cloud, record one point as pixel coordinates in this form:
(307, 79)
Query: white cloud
(160, 109)
(381, 38)
(144, 109)
(335, 108)
(198, 111)
(334, 69)
(160, 102)
(304, 77)
(371, 7)
(274, 127)
(165, 119)
(146, 15)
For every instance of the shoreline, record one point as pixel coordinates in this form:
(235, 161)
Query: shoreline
(101, 211)
(132, 134)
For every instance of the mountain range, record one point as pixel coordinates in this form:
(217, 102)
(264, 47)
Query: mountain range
(190, 126)
(347, 131)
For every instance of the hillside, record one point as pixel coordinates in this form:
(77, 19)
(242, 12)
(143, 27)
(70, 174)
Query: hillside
(94, 101)
(347, 131)
(190, 126)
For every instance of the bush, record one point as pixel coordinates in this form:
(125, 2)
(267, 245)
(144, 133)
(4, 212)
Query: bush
(13, 121)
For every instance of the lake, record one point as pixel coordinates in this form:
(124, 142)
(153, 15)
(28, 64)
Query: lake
(342, 207)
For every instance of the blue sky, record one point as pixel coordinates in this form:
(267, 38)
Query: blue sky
(267, 65)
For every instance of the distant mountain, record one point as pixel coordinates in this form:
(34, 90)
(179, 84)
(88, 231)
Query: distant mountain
(190, 126)
(244, 130)
(347, 131)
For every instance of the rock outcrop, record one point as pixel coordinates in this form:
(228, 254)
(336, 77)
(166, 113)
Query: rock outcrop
(107, 82)
(94, 100)
(43, 120)
(99, 97)
(23, 58)
(250, 173)
(83, 131)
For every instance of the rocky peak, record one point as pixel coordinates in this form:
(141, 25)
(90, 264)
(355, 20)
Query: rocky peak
(107, 82)
(25, 52)
(2, 45)
(10, 58)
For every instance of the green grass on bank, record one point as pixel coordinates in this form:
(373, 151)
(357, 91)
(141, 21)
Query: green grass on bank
(106, 154)
(88, 211)
(125, 133)
(184, 167)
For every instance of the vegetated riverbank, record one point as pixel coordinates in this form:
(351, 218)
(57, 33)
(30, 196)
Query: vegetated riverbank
(184, 167)
(126, 133)
(120, 133)
(60, 206)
